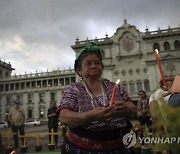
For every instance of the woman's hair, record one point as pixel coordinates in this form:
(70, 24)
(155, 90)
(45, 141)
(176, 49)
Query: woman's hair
(142, 91)
(90, 48)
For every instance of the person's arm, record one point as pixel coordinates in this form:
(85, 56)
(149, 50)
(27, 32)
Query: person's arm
(76, 119)
(10, 117)
(48, 114)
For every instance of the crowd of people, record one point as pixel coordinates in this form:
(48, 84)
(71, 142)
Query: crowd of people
(95, 121)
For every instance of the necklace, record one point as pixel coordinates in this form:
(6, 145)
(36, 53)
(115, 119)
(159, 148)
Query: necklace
(93, 100)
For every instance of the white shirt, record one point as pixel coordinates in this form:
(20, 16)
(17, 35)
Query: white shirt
(157, 95)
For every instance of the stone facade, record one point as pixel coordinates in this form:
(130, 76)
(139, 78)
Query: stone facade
(34, 91)
(128, 56)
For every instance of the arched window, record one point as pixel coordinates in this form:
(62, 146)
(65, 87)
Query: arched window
(131, 72)
(123, 72)
(156, 46)
(124, 83)
(146, 85)
(131, 87)
(145, 70)
(139, 85)
(176, 44)
(116, 73)
(30, 114)
(7, 74)
(138, 71)
(166, 46)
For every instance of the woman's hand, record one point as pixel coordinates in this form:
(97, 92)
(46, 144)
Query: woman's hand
(127, 109)
(119, 109)
(102, 113)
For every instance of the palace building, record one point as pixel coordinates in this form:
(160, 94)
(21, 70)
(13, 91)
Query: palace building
(34, 91)
(128, 55)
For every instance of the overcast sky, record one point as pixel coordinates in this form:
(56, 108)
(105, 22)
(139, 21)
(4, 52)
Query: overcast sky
(38, 34)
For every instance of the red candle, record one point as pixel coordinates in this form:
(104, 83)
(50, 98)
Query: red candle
(159, 66)
(114, 92)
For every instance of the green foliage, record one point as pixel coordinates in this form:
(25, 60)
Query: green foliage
(169, 119)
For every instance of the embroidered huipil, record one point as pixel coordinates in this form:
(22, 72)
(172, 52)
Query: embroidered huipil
(76, 98)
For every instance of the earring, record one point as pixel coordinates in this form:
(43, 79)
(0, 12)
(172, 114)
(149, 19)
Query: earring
(80, 78)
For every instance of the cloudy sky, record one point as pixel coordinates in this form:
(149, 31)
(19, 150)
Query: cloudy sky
(38, 34)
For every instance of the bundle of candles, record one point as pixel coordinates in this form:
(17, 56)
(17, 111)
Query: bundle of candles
(114, 92)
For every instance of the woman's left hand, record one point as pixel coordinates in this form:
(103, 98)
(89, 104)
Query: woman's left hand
(119, 108)
(127, 109)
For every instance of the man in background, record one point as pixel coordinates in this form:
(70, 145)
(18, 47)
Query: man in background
(53, 121)
(16, 118)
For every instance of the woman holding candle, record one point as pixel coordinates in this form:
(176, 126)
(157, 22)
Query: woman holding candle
(94, 125)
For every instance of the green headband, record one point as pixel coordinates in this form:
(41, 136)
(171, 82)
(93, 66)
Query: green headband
(91, 47)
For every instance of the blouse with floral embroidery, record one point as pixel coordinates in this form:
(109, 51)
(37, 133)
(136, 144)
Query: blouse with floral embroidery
(77, 98)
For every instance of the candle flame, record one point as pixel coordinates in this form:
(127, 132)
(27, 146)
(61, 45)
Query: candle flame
(117, 82)
(156, 50)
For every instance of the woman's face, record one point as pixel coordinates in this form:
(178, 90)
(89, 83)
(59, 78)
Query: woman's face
(142, 95)
(91, 66)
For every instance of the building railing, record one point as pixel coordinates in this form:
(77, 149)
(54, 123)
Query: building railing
(40, 74)
(164, 31)
(100, 40)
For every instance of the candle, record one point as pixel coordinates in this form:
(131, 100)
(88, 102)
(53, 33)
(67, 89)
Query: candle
(114, 92)
(159, 66)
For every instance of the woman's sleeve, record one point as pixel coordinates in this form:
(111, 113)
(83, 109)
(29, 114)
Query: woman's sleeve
(69, 100)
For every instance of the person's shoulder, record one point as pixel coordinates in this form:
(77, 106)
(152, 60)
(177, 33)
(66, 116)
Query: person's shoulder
(75, 85)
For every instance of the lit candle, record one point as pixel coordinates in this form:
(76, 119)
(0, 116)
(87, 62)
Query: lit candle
(159, 66)
(114, 92)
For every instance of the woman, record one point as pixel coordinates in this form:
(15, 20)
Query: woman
(143, 111)
(94, 125)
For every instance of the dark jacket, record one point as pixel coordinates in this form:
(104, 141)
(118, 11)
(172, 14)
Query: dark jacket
(53, 120)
